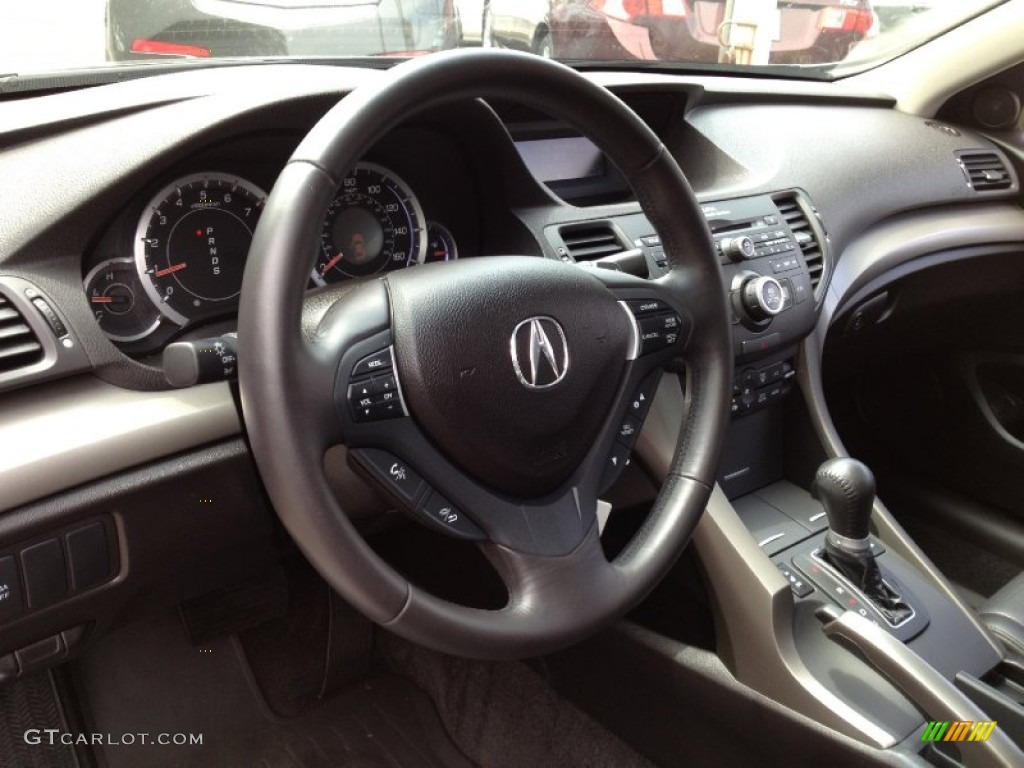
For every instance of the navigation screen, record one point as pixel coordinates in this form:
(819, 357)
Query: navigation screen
(562, 159)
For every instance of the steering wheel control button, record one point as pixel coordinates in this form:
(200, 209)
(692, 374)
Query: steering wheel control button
(641, 401)
(629, 430)
(378, 362)
(659, 327)
(375, 397)
(647, 306)
(384, 384)
(397, 476)
(618, 460)
(11, 601)
(441, 514)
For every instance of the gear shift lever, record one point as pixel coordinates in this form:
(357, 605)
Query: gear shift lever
(846, 488)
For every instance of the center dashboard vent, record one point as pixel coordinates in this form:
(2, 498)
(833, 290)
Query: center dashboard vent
(589, 242)
(985, 171)
(798, 220)
(19, 345)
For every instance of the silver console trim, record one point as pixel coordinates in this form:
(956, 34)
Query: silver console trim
(751, 596)
(926, 687)
(59, 435)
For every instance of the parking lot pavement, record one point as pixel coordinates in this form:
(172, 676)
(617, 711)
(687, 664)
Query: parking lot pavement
(39, 35)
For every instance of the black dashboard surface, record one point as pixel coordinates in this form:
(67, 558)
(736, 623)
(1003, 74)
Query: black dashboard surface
(77, 168)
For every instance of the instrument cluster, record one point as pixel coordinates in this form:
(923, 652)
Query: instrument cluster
(184, 265)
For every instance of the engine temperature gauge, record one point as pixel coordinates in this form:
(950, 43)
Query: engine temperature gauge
(116, 299)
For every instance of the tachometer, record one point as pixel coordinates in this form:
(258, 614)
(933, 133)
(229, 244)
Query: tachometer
(374, 224)
(192, 242)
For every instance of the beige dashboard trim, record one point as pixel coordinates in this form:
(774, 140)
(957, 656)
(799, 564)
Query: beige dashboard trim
(60, 435)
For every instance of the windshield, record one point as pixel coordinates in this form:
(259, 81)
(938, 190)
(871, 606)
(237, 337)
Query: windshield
(810, 36)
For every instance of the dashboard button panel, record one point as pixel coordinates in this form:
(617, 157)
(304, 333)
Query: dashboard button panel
(755, 388)
(11, 601)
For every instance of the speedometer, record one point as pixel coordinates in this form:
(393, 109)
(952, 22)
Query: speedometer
(192, 242)
(374, 224)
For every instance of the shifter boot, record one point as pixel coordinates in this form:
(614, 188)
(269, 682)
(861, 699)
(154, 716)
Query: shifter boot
(862, 570)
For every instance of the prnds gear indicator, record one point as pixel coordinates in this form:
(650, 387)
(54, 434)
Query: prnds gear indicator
(192, 242)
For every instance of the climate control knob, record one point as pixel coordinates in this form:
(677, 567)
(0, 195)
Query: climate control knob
(761, 297)
(738, 248)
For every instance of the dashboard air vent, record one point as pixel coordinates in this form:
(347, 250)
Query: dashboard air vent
(19, 346)
(589, 242)
(985, 171)
(806, 238)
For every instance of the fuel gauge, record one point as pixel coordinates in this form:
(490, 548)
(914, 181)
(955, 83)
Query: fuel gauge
(118, 302)
(440, 244)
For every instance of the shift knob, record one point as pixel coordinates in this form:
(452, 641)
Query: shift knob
(846, 488)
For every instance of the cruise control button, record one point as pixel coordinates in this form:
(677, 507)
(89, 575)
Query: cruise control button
(442, 514)
(375, 363)
(671, 322)
(647, 306)
(394, 473)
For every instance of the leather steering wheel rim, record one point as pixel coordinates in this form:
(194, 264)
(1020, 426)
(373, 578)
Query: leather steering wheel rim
(554, 599)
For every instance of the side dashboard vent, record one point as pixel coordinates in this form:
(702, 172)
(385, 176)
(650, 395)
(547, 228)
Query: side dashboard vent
(985, 171)
(589, 242)
(19, 345)
(797, 218)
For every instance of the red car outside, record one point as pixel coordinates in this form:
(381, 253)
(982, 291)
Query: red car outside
(806, 32)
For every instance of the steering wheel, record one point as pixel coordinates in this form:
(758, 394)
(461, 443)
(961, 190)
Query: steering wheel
(512, 379)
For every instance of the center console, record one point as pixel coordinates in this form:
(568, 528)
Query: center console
(823, 604)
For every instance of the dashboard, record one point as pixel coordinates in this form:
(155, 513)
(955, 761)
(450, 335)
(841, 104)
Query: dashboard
(126, 210)
(138, 241)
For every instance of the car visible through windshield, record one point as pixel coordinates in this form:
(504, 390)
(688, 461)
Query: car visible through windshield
(810, 37)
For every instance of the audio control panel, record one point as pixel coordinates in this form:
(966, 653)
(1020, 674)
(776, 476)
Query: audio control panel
(761, 245)
(773, 249)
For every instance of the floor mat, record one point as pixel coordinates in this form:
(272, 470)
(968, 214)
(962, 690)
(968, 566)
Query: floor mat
(29, 707)
(147, 679)
(505, 715)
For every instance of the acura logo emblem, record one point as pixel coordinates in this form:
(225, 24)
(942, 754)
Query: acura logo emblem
(539, 352)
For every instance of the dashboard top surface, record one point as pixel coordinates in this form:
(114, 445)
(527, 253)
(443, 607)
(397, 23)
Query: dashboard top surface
(107, 150)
